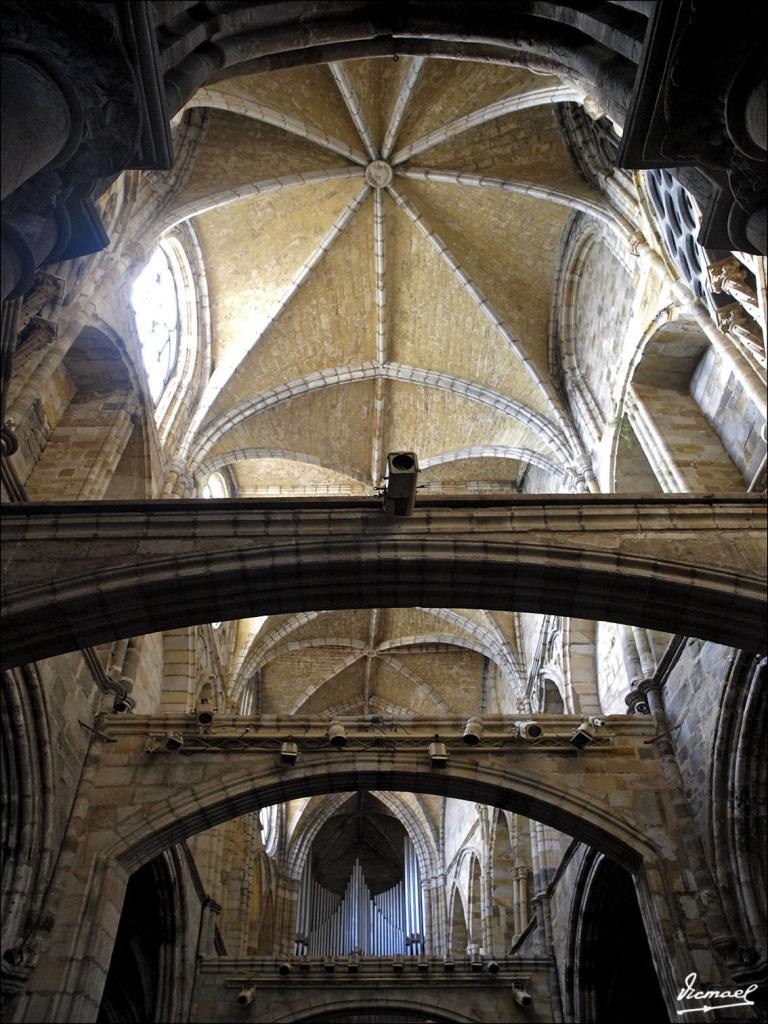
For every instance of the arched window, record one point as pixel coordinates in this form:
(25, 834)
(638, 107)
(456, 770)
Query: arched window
(215, 487)
(155, 301)
(269, 833)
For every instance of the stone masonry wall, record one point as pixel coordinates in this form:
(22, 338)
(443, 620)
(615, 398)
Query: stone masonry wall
(47, 410)
(695, 449)
(691, 695)
(84, 449)
(561, 907)
(734, 418)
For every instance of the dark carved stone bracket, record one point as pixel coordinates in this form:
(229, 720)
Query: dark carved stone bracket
(692, 112)
(103, 60)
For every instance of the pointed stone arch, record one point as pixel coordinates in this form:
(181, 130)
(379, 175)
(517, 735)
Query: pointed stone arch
(459, 933)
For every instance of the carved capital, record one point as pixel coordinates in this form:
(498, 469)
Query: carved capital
(734, 320)
(102, 111)
(46, 288)
(106, 64)
(731, 277)
(8, 441)
(724, 272)
(637, 703)
(39, 332)
(649, 689)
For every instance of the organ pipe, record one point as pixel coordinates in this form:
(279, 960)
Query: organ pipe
(386, 924)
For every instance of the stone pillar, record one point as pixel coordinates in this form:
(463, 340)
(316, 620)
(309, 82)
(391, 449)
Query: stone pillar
(545, 850)
(654, 445)
(10, 314)
(541, 904)
(42, 118)
(23, 326)
(486, 911)
(123, 665)
(644, 650)
(430, 945)
(436, 916)
(535, 858)
(520, 904)
(286, 911)
(247, 885)
(176, 482)
(31, 374)
(721, 937)
(629, 653)
(593, 487)
(209, 911)
(34, 340)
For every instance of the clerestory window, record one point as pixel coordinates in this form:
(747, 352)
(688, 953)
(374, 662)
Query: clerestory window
(215, 487)
(155, 301)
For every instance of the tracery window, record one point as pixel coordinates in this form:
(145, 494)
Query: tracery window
(155, 301)
(679, 223)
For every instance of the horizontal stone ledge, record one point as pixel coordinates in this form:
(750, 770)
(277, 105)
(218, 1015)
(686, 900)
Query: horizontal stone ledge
(331, 503)
(433, 976)
(275, 725)
(234, 520)
(238, 972)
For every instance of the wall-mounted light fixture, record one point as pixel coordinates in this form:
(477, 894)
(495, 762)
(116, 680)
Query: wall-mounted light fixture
(529, 730)
(205, 715)
(289, 752)
(473, 731)
(205, 705)
(400, 483)
(171, 741)
(337, 735)
(438, 754)
(586, 732)
(522, 996)
(245, 998)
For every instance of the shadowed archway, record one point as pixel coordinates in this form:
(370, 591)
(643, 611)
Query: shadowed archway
(181, 808)
(613, 973)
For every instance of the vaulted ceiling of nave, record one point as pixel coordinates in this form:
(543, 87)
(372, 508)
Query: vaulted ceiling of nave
(350, 320)
(380, 241)
(394, 661)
